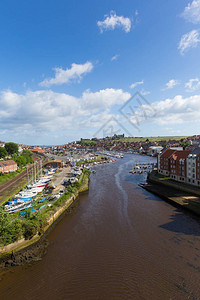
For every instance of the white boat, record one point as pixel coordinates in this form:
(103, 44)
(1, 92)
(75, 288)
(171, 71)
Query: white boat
(20, 208)
(29, 193)
(38, 184)
(17, 207)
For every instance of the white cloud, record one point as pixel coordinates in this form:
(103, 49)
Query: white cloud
(115, 57)
(177, 110)
(192, 12)
(47, 111)
(113, 21)
(64, 76)
(103, 99)
(171, 84)
(189, 40)
(133, 85)
(193, 85)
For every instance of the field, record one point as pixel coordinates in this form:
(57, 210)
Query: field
(135, 139)
(152, 138)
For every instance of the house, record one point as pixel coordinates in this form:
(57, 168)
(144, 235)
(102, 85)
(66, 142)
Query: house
(37, 150)
(7, 166)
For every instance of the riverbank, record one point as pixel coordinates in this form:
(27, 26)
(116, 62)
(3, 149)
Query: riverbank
(26, 250)
(176, 194)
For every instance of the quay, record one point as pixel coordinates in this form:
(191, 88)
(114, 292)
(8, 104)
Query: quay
(176, 193)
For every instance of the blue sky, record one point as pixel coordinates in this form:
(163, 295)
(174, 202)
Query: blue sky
(67, 68)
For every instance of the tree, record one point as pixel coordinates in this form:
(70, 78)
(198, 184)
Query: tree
(21, 161)
(11, 148)
(28, 155)
(3, 152)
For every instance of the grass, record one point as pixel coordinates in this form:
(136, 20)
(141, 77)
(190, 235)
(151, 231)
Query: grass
(152, 138)
(6, 177)
(162, 176)
(9, 193)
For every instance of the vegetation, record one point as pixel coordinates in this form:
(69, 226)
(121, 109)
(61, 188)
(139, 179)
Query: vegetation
(25, 158)
(6, 177)
(3, 152)
(14, 227)
(11, 148)
(10, 230)
(87, 143)
(28, 155)
(153, 139)
(162, 176)
(132, 139)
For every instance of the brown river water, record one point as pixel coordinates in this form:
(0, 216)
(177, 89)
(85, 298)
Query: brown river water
(120, 242)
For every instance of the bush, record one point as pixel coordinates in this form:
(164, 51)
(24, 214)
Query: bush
(30, 228)
(10, 230)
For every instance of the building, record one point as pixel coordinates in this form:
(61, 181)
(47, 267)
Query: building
(164, 161)
(178, 165)
(181, 165)
(37, 150)
(7, 166)
(154, 150)
(193, 167)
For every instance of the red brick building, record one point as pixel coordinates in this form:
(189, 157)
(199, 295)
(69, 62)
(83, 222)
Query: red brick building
(181, 165)
(7, 166)
(178, 165)
(164, 161)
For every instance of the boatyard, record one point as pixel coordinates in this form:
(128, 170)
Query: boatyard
(51, 187)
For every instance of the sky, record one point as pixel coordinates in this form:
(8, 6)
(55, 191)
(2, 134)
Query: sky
(72, 69)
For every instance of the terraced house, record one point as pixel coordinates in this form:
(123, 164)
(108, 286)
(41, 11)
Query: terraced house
(180, 165)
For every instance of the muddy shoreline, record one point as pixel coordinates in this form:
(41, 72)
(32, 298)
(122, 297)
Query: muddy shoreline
(37, 250)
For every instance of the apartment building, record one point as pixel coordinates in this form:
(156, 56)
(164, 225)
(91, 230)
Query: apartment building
(180, 165)
(193, 167)
(164, 161)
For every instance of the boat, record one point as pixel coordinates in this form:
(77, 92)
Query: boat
(38, 184)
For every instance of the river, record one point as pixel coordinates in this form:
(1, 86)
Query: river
(120, 242)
